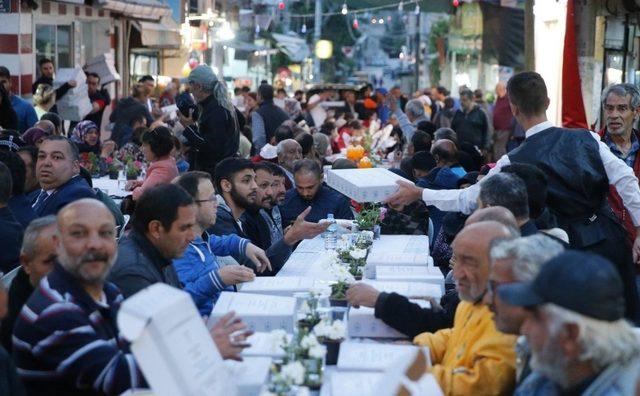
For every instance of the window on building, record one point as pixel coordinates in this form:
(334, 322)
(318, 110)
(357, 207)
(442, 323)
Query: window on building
(54, 42)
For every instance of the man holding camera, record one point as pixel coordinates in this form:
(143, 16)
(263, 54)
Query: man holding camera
(214, 134)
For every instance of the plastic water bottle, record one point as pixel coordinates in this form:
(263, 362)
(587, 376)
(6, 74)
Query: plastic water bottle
(331, 234)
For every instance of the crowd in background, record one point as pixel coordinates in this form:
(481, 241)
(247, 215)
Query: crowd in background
(242, 175)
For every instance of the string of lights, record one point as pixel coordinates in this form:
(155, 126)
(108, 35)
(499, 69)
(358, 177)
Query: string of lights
(345, 10)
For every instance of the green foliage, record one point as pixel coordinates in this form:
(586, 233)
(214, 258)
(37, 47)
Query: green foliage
(339, 290)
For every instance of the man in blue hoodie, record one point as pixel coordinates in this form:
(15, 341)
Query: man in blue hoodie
(198, 269)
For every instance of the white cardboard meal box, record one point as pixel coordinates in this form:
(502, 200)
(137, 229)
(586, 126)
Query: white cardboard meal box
(278, 286)
(168, 335)
(409, 375)
(400, 250)
(372, 356)
(362, 322)
(409, 273)
(350, 383)
(264, 345)
(260, 312)
(407, 289)
(249, 375)
(364, 185)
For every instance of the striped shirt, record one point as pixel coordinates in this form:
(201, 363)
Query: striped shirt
(65, 343)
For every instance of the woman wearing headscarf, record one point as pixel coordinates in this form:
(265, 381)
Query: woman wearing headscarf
(87, 136)
(34, 136)
(215, 135)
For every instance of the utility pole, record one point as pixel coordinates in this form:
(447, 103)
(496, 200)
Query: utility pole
(417, 46)
(317, 32)
(529, 36)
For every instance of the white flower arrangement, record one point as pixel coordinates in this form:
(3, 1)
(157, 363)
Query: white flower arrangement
(333, 331)
(309, 341)
(317, 351)
(293, 373)
(342, 274)
(358, 254)
(279, 339)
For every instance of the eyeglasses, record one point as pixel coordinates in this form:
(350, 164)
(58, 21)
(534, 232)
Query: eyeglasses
(211, 199)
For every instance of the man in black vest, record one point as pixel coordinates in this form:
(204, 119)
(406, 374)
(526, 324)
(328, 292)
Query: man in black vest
(267, 118)
(579, 168)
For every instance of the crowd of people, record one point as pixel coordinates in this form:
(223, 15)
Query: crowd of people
(533, 226)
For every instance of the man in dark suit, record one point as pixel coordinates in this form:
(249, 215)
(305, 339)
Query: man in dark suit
(58, 171)
(10, 230)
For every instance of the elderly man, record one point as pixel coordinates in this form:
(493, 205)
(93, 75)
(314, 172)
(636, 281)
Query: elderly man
(516, 260)
(311, 191)
(621, 108)
(580, 342)
(579, 169)
(509, 191)
(58, 171)
(215, 134)
(409, 119)
(289, 151)
(472, 357)
(78, 350)
(37, 256)
(198, 269)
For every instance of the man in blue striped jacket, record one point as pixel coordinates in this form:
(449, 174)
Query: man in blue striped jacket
(66, 340)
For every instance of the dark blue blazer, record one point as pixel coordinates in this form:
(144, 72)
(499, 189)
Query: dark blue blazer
(20, 206)
(10, 240)
(76, 188)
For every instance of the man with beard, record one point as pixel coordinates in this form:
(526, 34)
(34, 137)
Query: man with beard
(580, 342)
(235, 182)
(472, 357)
(66, 341)
(263, 223)
(516, 260)
(198, 269)
(310, 191)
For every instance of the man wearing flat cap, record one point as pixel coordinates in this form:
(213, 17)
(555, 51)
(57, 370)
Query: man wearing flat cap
(580, 342)
(215, 134)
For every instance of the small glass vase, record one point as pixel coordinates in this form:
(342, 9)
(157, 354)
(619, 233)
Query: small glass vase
(313, 373)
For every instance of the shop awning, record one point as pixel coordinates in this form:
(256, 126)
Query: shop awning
(164, 34)
(143, 9)
(295, 47)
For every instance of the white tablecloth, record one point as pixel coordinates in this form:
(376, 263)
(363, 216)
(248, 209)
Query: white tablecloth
(114, 188)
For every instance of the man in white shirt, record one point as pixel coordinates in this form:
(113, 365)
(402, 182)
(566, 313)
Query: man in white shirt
(314, 106)
(580, 169)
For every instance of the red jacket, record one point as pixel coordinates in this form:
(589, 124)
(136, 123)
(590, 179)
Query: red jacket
(615, 201)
